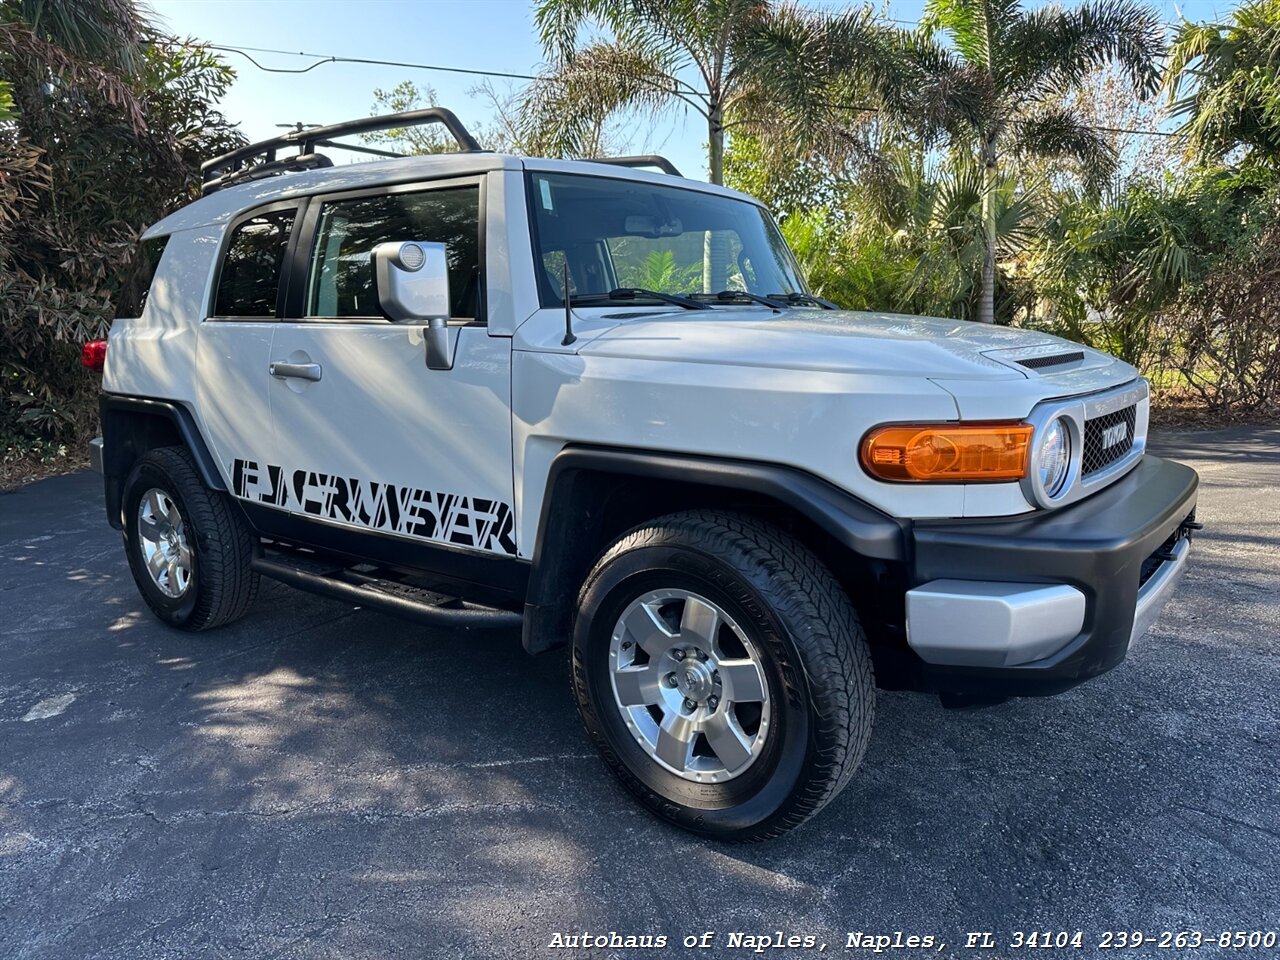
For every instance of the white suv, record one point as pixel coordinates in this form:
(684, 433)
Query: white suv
(600, 405)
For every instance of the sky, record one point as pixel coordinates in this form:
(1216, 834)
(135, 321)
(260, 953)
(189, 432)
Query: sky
(495, 35)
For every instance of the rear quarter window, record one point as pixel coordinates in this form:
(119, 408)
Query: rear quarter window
(249, 279)
(132, 296)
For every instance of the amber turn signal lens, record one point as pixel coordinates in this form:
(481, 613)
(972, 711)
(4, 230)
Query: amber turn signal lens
(948, 453)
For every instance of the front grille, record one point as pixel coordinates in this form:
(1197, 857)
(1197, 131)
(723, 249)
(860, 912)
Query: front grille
(1103, 441)
(1037, 363)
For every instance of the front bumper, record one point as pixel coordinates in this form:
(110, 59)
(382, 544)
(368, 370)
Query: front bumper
(1037, 604)
(95, 454)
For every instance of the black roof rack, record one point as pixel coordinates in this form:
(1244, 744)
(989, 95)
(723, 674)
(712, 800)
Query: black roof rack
(645, 160)
(259, 160)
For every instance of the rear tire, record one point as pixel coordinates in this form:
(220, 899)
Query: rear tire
(669, 619)
(189, 550)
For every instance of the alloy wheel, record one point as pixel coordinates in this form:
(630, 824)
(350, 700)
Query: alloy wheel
(690, 686)
(165, 550)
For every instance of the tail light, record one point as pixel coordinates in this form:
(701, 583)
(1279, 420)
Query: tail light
(93, 354)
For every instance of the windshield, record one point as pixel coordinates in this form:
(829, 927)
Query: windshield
(624, 233)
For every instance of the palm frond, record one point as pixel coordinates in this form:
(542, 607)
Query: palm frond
(1050, 52)
(709, 31)
(564, 110)
(946, 96)
(559, 21)
(1057, 133)
(808, 72)
(1193, 42)
(974, 26)
(107, 32)
(1223, 82)
(20, 42)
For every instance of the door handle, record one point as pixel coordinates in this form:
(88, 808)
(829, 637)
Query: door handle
(295, 371)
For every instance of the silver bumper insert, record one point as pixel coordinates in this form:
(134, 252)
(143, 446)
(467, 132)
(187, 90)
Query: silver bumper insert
(1155, 593)
(983, 623)
(95, 454)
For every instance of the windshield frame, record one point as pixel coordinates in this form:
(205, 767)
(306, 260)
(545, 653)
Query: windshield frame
(549, 298)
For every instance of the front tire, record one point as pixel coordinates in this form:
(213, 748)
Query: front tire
(722, 673)
(190, 553)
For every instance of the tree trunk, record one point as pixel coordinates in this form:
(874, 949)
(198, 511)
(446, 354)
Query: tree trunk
(987, 296)
(715, 249)
(715, 143)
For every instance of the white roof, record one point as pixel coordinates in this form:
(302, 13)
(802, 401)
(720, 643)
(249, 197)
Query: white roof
(223, 205)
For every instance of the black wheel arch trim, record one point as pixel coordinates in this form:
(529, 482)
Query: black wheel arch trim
(855, 525)
(120, 443)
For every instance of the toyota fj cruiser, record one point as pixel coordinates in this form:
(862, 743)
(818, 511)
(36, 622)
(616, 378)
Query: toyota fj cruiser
(600, 405)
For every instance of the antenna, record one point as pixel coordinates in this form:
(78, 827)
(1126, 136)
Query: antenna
(568, 309)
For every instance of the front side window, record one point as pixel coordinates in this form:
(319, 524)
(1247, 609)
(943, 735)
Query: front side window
(342, 282)
(613, 233)
(249, 282)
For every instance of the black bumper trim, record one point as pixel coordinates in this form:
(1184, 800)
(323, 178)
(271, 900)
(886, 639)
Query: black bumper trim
(1098, 545)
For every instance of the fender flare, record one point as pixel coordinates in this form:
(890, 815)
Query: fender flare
(121, 449)
(855, 525)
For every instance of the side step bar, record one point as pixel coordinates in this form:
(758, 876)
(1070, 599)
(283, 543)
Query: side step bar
(402, 600)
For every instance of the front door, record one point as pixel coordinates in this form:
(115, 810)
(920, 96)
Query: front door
(366, 437)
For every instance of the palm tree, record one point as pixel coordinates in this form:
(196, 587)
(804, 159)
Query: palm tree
(999, 87)
(936, 213)
(98, 44)
(108, 32)
(731, 61)
(1223, 80)
(1114, 264)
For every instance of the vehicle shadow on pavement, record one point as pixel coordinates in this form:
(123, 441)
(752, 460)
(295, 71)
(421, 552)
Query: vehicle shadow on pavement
(334, 782)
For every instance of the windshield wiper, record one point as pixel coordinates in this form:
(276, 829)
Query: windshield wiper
(738, 296)
(637, 293)
(796, 299)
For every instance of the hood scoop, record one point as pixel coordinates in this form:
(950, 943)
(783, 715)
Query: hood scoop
(1051, 360)
(1054, 359)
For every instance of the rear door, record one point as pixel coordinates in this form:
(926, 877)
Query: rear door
(234, 346)
(366, 437)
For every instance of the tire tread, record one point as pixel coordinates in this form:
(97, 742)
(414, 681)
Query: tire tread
(226, 582)
(824, 626)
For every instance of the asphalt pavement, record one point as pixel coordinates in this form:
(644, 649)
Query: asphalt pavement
(322, 781)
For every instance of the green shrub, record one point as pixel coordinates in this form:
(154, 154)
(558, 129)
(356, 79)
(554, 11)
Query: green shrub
(107, 125)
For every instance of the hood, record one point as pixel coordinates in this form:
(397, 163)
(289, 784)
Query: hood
(842, 341)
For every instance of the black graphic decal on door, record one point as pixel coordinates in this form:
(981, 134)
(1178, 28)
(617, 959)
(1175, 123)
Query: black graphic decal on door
(444, 517)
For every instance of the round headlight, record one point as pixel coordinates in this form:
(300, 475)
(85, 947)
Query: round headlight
(1055, 457)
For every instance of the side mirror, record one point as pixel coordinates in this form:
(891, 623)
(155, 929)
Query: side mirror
(412, 278)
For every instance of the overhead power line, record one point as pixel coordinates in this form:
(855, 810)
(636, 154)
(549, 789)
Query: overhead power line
(321, 59)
